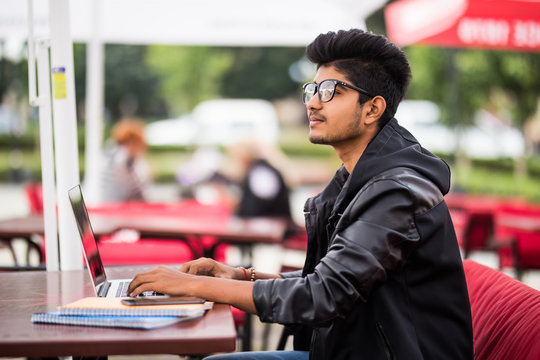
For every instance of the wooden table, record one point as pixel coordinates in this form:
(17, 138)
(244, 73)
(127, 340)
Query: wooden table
(27, 227)
(25, 293)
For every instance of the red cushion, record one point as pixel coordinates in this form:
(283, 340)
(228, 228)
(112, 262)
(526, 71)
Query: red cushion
(505, 315)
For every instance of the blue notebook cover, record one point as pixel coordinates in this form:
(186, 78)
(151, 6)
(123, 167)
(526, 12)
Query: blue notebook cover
(133, 322)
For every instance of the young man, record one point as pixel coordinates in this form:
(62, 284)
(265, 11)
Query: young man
(383, 277)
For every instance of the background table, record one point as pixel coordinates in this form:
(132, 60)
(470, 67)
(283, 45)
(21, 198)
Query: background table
(25, 293)
(186, 221)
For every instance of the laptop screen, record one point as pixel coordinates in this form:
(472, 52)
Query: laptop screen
(90, 249)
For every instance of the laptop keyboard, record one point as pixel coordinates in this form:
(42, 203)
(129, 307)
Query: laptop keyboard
(123, 288)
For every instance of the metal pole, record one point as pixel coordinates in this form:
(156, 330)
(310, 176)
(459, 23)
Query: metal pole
(32, 91)
(65, 131)
(47, 156)
(94, 108)
(46, 136)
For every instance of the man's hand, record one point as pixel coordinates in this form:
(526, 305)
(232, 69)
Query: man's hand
(216, 286)
(210, 267)
(162, 279)
(170, 281)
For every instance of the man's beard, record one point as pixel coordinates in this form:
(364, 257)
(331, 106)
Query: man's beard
(352, 131)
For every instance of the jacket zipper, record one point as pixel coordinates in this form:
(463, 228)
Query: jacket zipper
(386, 343)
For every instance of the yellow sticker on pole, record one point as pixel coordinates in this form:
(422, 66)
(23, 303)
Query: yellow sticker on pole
(59, 83)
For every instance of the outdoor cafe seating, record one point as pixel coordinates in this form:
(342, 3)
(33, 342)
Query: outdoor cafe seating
(507, 227)
(128, 248)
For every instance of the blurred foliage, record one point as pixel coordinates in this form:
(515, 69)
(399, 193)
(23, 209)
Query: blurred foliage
(188, 75)
(13, 77)
(261, 72)
(506, 82)
(194, 74)
(158, 81)
(131, 85)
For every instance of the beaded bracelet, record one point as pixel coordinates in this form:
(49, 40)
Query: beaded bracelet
(245, 272)
(252, 275)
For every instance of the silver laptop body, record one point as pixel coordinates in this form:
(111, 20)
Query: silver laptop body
(103, 286)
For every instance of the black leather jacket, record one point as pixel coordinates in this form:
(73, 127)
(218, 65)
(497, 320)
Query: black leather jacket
(383, 277)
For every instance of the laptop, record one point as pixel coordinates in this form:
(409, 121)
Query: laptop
(103, 287)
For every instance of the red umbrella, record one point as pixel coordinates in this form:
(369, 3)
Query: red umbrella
(493, 24)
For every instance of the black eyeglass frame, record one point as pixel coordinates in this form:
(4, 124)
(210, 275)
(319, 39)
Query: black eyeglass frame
(335, 82)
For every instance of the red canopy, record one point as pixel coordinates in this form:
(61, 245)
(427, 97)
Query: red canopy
(494, 24)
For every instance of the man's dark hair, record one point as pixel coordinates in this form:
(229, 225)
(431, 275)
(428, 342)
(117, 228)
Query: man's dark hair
(369, 61)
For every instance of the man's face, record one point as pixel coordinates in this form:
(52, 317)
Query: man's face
(337, 122)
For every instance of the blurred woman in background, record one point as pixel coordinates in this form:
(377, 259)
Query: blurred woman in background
(126, 174)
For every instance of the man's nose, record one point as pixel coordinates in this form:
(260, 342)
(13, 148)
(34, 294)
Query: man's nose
(314, 102)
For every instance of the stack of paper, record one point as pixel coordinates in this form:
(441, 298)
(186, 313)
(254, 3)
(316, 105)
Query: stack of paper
(110, 312)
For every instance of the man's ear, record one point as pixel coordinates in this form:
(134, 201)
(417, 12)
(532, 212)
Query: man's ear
(375, 109)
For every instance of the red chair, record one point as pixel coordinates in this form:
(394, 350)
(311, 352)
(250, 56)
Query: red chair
(517, 233)
(473, 218)
(34, 195)
(505, 315)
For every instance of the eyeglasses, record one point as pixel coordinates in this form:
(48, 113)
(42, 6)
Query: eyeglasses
(326, 90)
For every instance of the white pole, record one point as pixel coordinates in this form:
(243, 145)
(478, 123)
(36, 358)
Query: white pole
(94, 108)
(46, 136)
(32, 94)
(65, 131)
(47, 156)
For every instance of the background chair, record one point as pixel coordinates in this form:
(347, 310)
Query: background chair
(473, 218)
(517, 235)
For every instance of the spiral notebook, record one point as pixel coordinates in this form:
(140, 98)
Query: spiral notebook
(132, 322)
(114, 306)
(111, 312)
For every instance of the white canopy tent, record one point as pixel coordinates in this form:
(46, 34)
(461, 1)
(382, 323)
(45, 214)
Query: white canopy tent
(201, 22)
(173, 22)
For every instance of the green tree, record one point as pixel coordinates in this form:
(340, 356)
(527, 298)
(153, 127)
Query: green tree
(261, 72)
(507, 82)
(130, 84)
(129, 78)
(188, 74)
(510, 81)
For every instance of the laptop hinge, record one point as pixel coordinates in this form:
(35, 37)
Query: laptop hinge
(104, 289)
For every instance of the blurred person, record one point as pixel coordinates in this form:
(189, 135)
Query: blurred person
(249, 179)
(199, 169)
(126, 174)
(263, 190)
(383, 277)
